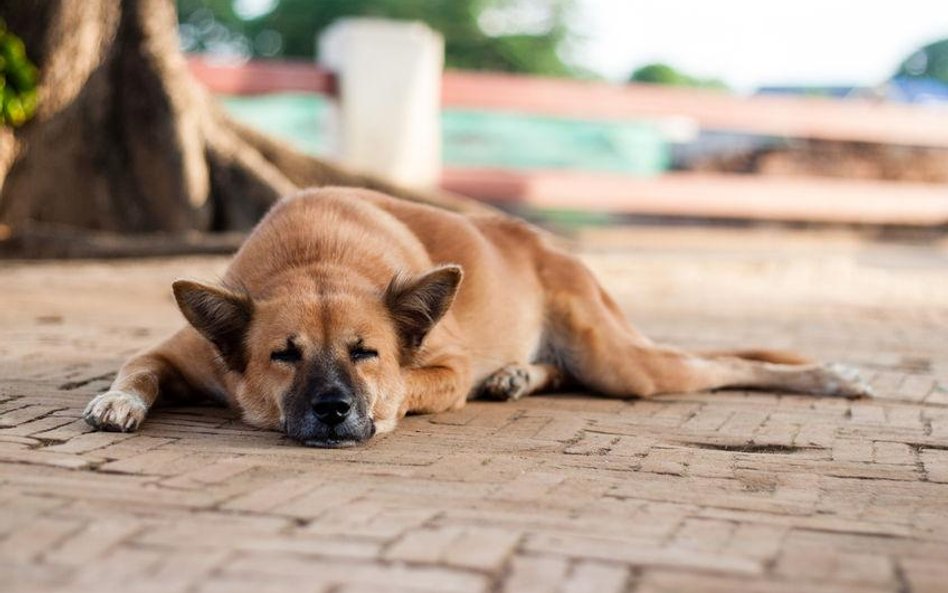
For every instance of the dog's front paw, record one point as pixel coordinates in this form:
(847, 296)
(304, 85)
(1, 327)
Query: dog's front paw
(509, 383)
(844, 381)
(118, 411)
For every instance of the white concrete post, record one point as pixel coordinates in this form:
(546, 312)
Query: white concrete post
(388, 119)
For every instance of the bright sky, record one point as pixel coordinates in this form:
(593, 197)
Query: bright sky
(750, 43)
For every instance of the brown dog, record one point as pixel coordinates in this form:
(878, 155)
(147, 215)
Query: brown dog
(345, 310)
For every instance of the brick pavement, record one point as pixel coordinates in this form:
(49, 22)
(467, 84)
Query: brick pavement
(733, 491)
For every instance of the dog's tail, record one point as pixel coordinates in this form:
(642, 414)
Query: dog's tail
(761, 355)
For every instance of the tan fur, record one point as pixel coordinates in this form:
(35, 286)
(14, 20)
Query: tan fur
(333, 266)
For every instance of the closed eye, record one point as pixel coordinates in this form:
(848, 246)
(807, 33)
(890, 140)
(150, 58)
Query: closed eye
(358, 353)
(291, 354)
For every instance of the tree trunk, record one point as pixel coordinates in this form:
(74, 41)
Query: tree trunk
(125, 141)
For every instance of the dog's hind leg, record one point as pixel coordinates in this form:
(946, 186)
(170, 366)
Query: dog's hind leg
(606, 360)
(514, 381)
(656, 370)
(602, 351)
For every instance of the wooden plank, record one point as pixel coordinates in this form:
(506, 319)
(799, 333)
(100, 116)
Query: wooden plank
(711, 196)
(260, 77)
(792, 117)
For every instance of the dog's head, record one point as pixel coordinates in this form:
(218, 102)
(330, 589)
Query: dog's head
(322, 364)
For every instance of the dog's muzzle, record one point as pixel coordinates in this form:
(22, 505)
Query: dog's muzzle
(330, 417)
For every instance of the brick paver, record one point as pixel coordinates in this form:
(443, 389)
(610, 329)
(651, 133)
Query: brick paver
(726, 492)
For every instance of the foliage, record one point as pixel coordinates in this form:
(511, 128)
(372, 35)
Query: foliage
(930, 61)
(18, 77)
(520, 36)
(665, 74)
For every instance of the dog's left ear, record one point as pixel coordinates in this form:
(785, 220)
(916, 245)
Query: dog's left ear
(418, 303)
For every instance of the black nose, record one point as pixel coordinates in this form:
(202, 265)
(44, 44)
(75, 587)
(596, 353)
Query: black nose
(332, 407)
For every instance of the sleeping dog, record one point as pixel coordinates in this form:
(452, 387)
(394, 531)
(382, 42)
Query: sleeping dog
(346, 309)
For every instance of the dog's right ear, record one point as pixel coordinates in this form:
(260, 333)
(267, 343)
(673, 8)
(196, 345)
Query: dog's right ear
(220, 315)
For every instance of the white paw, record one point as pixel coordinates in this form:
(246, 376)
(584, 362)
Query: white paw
(118, 411)
(845, 381)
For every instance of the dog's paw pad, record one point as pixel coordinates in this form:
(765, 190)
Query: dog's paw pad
(509, 383)
(845, 381)
(117, 411)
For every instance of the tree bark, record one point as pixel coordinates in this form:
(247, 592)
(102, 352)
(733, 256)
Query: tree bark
(125, 141)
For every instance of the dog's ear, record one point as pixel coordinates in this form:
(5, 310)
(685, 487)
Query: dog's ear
(220, 315)
(418, 303)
